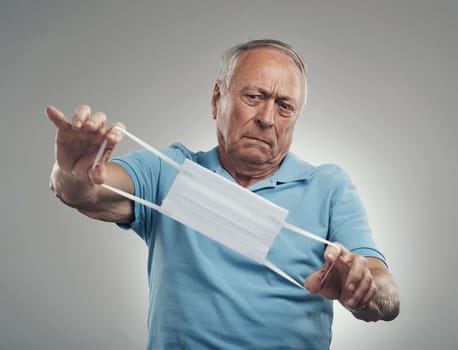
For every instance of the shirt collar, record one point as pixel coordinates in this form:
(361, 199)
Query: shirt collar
(291, 169)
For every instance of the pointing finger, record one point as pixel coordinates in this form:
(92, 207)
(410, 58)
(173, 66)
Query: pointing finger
(57, 117)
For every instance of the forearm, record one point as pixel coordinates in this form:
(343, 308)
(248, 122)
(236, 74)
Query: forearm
(93, 200)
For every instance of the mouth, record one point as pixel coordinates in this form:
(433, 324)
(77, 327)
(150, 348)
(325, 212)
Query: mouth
(258, 139)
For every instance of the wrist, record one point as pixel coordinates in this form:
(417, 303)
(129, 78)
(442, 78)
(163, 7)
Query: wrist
(70, 188)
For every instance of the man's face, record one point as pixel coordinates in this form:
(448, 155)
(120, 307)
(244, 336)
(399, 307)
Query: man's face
(255, 117)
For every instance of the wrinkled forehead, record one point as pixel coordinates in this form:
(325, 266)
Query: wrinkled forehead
(269, 68)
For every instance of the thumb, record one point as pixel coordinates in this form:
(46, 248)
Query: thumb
(98, 174)
(315, 281)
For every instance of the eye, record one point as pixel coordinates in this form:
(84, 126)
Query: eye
(252, 99)
(286, 108)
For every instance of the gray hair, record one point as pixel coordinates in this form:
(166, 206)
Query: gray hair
(230, 59)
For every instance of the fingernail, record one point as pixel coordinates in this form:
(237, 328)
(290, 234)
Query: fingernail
(351, 303)
(351, 287)
(307, 284)
(78, 124)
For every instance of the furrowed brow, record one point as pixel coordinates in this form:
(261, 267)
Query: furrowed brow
(249, 88)
(288, 99)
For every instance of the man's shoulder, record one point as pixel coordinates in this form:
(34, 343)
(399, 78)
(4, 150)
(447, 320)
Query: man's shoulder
(327, 171)
(179, 152)
(208, 159)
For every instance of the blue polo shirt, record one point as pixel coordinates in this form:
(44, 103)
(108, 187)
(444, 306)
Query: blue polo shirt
(204, 295)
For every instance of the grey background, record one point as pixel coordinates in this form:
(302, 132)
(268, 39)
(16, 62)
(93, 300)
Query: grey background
(382, 105)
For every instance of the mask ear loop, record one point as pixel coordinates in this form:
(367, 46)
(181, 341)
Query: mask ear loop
(178, 167)
(150, 148)
(124, 194)
(319, 239)
(282, 273)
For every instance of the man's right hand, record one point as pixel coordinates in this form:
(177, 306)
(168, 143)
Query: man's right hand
(74, 180)
(77, 142)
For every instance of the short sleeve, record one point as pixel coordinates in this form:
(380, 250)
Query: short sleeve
(348, 222)
(152, 179)
(143, 169)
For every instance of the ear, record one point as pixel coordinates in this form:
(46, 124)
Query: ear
(215, 99)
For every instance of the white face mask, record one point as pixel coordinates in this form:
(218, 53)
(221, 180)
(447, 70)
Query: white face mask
(220, 209)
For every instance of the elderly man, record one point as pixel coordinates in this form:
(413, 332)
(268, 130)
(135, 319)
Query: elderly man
(204, 295)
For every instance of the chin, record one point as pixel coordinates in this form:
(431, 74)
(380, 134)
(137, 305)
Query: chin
(256, 157)
(255, 153)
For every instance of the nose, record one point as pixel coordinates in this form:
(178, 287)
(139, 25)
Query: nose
(265, 117)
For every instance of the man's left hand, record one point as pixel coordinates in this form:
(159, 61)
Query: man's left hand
(362, 285)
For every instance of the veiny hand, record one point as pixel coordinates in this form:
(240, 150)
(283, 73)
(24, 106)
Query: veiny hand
(77, 142)
(349, 280)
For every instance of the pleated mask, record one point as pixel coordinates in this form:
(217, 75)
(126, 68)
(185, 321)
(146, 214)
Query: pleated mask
(221, 210)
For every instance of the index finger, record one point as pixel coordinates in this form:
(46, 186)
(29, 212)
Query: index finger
(57, 117)
(332, 255)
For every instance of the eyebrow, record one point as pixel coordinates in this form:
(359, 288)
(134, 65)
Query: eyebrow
(266, 93)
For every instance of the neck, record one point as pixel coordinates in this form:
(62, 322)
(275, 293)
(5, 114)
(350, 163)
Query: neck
(246, 173)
